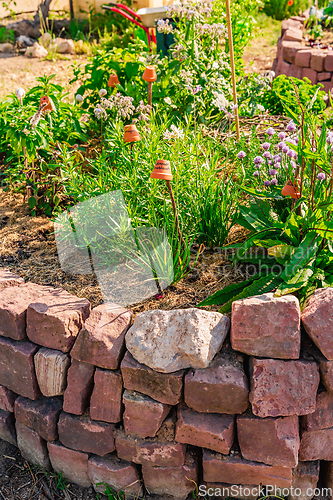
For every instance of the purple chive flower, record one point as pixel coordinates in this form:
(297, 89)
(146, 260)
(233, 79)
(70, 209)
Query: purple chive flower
(291, 127)
(274, 182)
(294, 154)
(270, 162)
(321, 176)
(290, 140)
(272, 172)
(293, 164)
(281, 136)
(297, 140)
(267, 183)
(277, 158)
(281, 145)
(266, 146)
(258, 160)
(267, 154)
(277, 165)
(241, 155)
(290, 153)
(285, 149)
(270, 131)
(256, 173)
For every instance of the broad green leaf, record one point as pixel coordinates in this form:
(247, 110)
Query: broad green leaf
(303, 254)
(297, 281)
(227, 293)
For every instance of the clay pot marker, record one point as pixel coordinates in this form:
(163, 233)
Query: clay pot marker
(48, 104)
(232, 64)
(162, 170)
(150, 76)
(113, 80)
(291, 190)
(131, 135)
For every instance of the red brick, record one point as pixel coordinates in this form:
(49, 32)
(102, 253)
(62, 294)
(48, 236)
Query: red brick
(329, 62)
(303, 58)
(80, 380)
(177, 482)
(7, 399)
(316, 319)
(305, 477)
(289, 54)
(295, 71)
(17, 370)
(72, 464)
(8, 278)
(101, 342)
(212, 431)
(55, 320)
(14, 302)
(316, 445)
(32, 447)
(322, 418)
(7, 427)
(273, 441)
(284, 68)
(41, 415)
(106, 398)
(163, 387)
(267, 326)
(327, 86)
(317, 60)
(143, 416)
(283, 388)
(327, 475)
(227, 491)
(310, 74)
(117, 474)
(326, 373)
(321, 77)
(157, 452)
(51, 371)
(234, 469)
(83, 434)
(290, 24)
(293, 35)
(221, 388)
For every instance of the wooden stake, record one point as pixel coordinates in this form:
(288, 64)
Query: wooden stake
(180, 237)
(150, 93)
(232, 64)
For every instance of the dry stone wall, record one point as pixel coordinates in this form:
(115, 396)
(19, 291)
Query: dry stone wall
(252, 408)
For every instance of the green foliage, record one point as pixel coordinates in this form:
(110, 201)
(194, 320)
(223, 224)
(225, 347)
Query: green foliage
(6, 35)
(281, 9)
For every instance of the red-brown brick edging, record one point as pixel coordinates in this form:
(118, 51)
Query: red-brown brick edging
(74, 399)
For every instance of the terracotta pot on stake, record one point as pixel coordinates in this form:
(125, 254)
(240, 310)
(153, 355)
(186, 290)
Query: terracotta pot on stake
(291, 190)
(131, 135)
(232, 64)
(46, 100)
(162, 170)
(113, 80)
(150, 76)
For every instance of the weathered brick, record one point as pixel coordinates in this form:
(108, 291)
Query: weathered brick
(266, 326)
(80, 380)
(7, 399)
(293, 35)
(83, 434)
(14, 302)
(317, 60)
(328, 66)
(303, 58)
(51, 370)
(316, 318)
(32, 447)
(17, 370)
(232, 469)
(310, 74)
(72, 464)
(326, 373)
(316, 445)
(327, 86)
(41, 415)
(143, 416)
(163, 387)
(295, 71)
(157, 452)
(273, 441)
(305, 477)
(106, 398)
(212, 431)
(7, 427)
(283, 388)
(226, 491)
(221, 388)
(177, 482)
(327, 474)
(322, 417)
(290, 24)
(117, 474)
(321, 77)
(289, 54)
(8, 278)
(284, 68)
(101, 342)
(55, 320)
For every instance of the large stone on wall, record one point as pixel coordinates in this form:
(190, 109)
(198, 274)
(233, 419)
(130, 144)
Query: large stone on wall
(177, 482)
(290, 24)
(168, 341)
(80, 380)
(283, 388)
(327, 474)
(303, 58)
(55, 320)
(116, 474)
(273, 441)
(267, 326)
(318, 60)
(221, 388)
(156, 452)
(311, 74)
(7, 399)
(234, 470)
(326, 373)
(32, 447)
(316, 445)
(293, 35)
(317, 319)
(305, 477)
(101, 342)
(51, 371)
(73, 465)
(84, 434)
(212, 431)
(7, 427)
(163, 387)
(143, 416)
(106, 398)
(329, 62)
(322, 417)
(17, 370)
(7, 278)
(41, 415)
(14, 302)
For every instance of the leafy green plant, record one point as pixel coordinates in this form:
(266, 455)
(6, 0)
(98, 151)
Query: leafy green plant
(6, 35)
(282, 9)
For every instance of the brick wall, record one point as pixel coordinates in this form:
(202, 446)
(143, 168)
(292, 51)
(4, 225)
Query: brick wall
(74, 399)
(295, 59)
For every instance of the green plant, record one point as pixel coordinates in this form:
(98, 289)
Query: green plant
(281, 9)
(6, 35)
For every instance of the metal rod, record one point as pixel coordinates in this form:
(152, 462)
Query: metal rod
(232, 64)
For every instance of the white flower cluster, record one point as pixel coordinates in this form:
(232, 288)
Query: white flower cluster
(191, 9)
(164, 26)
(123, 105)
(100, 112)
(220, 101)
(37, 116)
(213, 30)
(144, 110)
(173, 133)
(187, 76)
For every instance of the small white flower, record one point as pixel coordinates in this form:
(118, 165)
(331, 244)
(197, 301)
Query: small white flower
(20, 93)
(167, 100)
(102, 93)
(215, 65)
(79, 98)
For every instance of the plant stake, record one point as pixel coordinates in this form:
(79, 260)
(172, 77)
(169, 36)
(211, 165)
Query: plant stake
(131, 136)
(232, 64)
(113, 80)
(150, 76)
